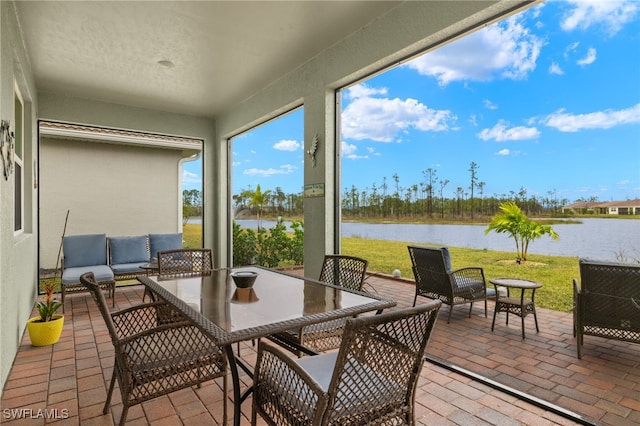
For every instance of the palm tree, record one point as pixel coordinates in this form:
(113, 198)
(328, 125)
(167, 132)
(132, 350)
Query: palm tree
(512, 221)
(257, 199)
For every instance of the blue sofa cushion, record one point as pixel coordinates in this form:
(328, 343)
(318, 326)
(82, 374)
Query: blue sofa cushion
(84, 250)
(128, 249)
(128, 268)
(161, 242)
(72, 275)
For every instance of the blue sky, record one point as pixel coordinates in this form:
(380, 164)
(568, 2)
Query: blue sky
(547, 100)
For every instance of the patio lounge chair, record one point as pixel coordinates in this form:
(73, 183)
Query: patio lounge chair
(606, 302)
(435, 279)
(371, 379)
(155, 358)
(86, 253)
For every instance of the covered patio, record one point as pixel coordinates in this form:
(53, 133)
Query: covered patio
(472, 376)
(210, 71)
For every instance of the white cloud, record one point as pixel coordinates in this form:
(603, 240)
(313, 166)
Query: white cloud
(285, 169)
(566, 122)
(501, 132)
(504, 152)
(570, 49)
(589, 59)
(381, 119)
(554, 68)
(611, 15)
(287, 145)
(489, 105)
(349, 152)
(364, 91)
(188, 177)
(348, 148)
(503, 50)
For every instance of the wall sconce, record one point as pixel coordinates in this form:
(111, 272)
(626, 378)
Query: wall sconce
(312, 151)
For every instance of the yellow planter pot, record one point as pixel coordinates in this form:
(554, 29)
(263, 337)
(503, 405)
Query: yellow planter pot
(45, 333)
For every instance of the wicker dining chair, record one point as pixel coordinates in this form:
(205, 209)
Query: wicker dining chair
(371, 379)
(341, 271)
(344, 271)
(185, 262)
(155, 357)
(436, 280)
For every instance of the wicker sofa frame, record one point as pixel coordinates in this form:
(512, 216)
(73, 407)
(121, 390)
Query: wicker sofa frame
(606, 302)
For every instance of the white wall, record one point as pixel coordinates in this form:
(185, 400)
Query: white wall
(113, 189)
(102, 114)
(18, 253)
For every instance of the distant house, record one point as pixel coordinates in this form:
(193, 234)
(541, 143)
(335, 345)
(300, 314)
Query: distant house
(628, 207)
(114, 182)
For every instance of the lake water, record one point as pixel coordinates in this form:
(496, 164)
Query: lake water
(602, 239)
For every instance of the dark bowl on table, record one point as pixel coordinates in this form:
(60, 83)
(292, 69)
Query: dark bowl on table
(244, 279)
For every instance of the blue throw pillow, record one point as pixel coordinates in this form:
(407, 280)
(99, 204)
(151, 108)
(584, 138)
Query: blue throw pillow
(128, 249)
(161, 242)
(84, 250)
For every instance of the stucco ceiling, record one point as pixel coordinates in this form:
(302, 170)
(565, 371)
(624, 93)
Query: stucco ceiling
(218, 52)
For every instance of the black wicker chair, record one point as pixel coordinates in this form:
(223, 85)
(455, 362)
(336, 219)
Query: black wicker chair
(154, 356)
(435, 279)
(606, 302)
(370, 380)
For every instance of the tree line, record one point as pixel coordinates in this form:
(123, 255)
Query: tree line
(431, 198)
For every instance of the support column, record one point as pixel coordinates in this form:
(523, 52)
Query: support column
(321, 192)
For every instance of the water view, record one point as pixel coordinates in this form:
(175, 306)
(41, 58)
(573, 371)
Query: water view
(603, 239)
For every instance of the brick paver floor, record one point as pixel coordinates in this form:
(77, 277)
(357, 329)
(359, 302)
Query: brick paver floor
(69, 380)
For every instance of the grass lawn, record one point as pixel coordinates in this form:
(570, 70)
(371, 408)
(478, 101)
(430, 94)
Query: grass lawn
(553, 272)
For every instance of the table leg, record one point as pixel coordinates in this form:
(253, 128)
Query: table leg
(235, 378)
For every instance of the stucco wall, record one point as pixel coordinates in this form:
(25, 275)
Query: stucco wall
(104, 114)
(18, 253)
(108, 188)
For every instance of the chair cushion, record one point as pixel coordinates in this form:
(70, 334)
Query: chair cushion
(84, 250)
(447, 258)
(126, 268)
(320, 367)
(128, 249)
(161, 242)
(101, 272)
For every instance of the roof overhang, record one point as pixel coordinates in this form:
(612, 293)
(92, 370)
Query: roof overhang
(188, 146)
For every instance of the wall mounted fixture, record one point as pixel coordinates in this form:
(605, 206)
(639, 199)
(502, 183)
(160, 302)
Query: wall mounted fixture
(312, 151)
(7, 147)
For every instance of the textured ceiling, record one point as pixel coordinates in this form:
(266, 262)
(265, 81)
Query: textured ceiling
(220, 52)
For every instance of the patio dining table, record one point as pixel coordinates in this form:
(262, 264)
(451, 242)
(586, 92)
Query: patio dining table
(277, 302)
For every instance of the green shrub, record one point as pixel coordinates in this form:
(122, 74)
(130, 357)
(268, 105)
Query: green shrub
(268, 247)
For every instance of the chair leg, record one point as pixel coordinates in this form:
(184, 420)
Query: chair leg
(225, 415)
(470, 309)
(485, 306)
(62, 295)
(450, 312)
(107, 403)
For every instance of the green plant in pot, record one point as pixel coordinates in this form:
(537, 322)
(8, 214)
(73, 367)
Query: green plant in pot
(45, 329)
